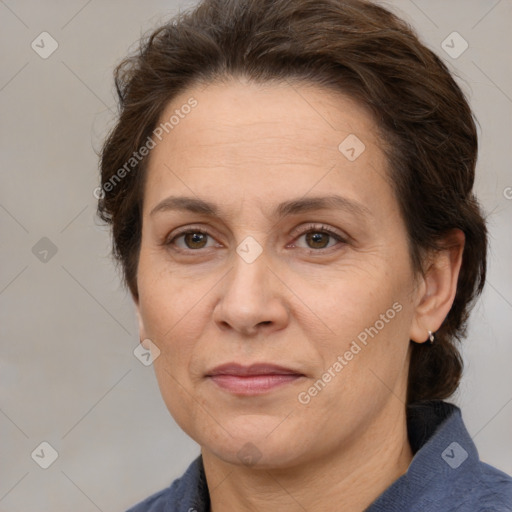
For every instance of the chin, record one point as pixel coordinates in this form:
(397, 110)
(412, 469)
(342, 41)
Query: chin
(260, 445)
(256, 455)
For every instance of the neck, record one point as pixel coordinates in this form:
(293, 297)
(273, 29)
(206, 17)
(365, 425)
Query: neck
(351, 477)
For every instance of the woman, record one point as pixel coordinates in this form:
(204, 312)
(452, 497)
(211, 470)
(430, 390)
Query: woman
(290, 191)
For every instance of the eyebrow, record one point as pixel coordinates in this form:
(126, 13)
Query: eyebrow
(292, 207)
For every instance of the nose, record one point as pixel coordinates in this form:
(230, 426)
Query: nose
(251, 299)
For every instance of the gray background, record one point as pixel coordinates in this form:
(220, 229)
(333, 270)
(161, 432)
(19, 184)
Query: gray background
(68, 373)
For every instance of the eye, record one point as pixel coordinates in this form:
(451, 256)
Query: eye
(318, 238)
(315, 238)
(192, 239)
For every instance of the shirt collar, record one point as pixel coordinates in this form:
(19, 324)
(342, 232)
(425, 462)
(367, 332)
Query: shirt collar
(441, 444)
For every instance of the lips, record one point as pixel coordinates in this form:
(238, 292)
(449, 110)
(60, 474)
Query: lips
(254, 369)
(255, 379)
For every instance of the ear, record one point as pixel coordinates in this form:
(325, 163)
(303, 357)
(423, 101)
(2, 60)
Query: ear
(142, 330)
(437, 288)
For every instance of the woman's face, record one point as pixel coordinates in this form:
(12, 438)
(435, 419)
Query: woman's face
(296, 255)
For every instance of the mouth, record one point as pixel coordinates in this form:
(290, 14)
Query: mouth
(254, 379)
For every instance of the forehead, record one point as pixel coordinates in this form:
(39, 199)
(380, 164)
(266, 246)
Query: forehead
(227, 111)
(246, 136)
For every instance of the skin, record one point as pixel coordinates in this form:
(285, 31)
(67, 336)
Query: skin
(247, 148)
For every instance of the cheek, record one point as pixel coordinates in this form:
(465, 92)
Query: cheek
(364, 364)
(349, 300)
(175, 389)
(174, 314)
(175, 329)
(368, 321)
(167, 299)
(173, 321)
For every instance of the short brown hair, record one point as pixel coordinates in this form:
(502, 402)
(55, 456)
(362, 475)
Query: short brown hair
(357, 48)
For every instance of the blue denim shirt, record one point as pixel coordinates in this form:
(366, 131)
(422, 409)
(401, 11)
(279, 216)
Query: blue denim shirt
(445, 474)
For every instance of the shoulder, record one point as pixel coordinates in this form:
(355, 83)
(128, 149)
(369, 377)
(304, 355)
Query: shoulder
(189, 493)
(482, 489)
(472, 487)
(155, 503)
(491, 489)
(459, 481)
(446, 472)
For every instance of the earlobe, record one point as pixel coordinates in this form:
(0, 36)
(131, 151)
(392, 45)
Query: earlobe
(142, 330)
(438, 289)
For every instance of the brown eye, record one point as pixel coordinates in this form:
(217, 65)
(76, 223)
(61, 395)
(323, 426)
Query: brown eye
(317, 239)
(192, 240)
(195, 240)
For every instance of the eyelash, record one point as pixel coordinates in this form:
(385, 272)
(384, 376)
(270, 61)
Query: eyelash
(312, 228)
